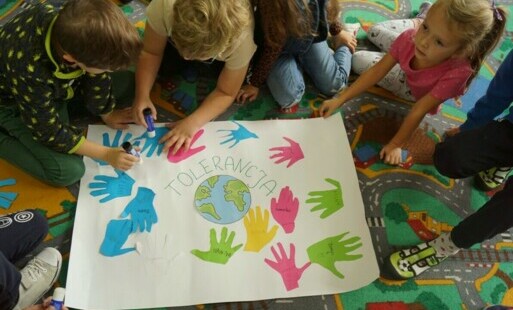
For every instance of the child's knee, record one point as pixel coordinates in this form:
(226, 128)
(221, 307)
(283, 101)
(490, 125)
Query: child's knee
(38, 226)
(66, 174)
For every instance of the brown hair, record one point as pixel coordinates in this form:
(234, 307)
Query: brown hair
(286, 19)
(478, 24)
(97, 34)
(203, 29)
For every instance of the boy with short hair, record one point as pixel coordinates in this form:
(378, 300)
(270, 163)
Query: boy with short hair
(47, 57)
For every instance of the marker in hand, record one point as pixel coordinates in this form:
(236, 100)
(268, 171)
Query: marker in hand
(127, 146)
(149, 121)
(58, 298)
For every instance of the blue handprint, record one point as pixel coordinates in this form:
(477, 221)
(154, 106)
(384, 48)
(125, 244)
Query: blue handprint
(112, 187)
(152, 144)
(237, 135)
(116, 142)
(7, 198)
(141, 209)
(116, 235)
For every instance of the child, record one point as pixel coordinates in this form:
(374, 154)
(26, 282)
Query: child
(48, 57)
(200, 30)
(479, 144)
(294, 39)
(20, 234)
(437, 62)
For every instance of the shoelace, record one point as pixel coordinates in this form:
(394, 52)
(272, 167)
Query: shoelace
(34, 270)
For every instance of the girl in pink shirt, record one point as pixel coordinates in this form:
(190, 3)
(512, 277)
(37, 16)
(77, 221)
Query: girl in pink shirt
(433, 60)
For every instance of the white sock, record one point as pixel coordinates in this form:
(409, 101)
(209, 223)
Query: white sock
(443, 245)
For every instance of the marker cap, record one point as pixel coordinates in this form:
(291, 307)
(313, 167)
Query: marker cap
(58, 294)
(127, 146)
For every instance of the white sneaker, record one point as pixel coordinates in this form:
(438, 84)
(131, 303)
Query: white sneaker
(38, 276)
(352, 28)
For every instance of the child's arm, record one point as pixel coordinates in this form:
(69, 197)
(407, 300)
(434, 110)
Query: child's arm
(116, 157)
(391, 153)
(146, 72)
(364, 82)
(228, 84)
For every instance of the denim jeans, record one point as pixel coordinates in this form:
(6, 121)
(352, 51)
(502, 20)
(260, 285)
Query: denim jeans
(329, 72)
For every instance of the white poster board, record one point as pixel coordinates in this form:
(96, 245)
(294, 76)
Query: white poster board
(255, 210)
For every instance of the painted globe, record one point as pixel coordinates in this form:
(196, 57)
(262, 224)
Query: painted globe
(222, 199)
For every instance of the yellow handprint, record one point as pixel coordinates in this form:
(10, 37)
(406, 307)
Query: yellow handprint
(256, 229)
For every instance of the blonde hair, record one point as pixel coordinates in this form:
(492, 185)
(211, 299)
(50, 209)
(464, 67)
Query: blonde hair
(203, 29)
(478, 24)
(97, 34)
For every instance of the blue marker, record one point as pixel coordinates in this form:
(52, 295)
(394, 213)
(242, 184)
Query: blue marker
(58, 298)
(149, 121)
(127, 146)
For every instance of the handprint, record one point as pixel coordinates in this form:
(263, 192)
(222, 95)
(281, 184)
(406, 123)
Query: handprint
(256, 229)
(329, 200)
(7, 198)
(292, 153)
(116, 235)
(183, 155)
(152, 144)
(284, 210)
(237, 135)
(333, 249)
(112, 187)
(141, 210)
(116, 142)
(220, 251)
(286, 266)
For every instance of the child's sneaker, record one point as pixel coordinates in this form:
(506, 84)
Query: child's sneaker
(423, 9)
(409, 263)
(38, 276)
(290, 110)
(492, 178)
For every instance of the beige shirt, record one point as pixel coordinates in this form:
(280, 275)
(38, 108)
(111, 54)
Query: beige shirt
(160, 15)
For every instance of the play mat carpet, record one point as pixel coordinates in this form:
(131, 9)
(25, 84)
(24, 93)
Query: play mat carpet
(404, 205)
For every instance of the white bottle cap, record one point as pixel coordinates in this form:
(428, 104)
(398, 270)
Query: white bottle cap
(151, 134)
(58, 294)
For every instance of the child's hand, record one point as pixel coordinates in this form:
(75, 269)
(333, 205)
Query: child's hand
(180, 135)
(329, 106)
(44, 306)
(119, 159)
(118, 119)
(345, 38)
(451, 132)
(391, 154)
(137, 111)
(247, 92)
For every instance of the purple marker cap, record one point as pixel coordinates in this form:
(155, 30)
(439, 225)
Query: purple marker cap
(149, 121)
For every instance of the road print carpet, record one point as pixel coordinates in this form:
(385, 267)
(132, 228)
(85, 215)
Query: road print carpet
(404, 205)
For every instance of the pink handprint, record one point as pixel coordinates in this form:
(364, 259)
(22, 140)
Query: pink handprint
(285, 209)
(286, 266)
(292, 153)
(183, 155)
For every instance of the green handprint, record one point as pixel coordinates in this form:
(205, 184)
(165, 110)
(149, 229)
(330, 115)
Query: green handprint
(220, 251)
(257, 225)
(329, 200)
(333, 249)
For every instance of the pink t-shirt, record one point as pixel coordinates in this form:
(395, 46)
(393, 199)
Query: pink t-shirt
(443, 81)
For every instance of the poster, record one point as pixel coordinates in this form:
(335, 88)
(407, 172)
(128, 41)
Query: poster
(254, 210)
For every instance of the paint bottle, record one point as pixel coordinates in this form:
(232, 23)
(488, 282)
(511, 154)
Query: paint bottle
(127, 146)
(149, 121)
(58, 298)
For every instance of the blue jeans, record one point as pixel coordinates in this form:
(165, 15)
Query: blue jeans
(329, 72)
